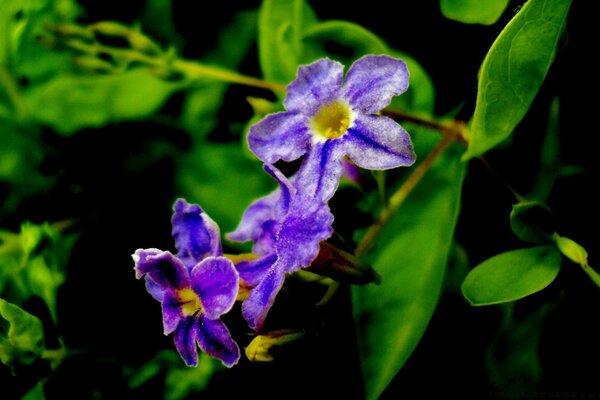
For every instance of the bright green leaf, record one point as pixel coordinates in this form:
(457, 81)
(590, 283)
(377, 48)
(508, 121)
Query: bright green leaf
(37, 393)
(512, 275)
(513, 71)
(181, 383)
(532, 221)
(281, 24)
(72, 102)
(484, 12)
(23, 341)
(411, 258)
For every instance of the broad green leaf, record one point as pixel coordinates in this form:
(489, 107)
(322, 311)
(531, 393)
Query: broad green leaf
(223, 180)
(532, 221)
(512, 275)
(484, 12)
(411, 258)
(23, 341)
(72, 102)
(37, 393)
(513, 71)
(281, 24)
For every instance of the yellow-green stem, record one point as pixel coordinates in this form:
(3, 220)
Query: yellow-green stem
(401, 194)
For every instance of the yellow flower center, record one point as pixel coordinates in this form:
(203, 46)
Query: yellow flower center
(332, 120)
(189, 301)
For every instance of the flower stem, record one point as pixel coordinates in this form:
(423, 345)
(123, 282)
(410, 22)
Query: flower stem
(594, 276)
(401, 194)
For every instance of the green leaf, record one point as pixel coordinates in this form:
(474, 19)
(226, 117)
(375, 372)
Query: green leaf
(37, 393)
(281, 24)
(180, 383)
(512, 275)
(72, 102)
(223, 181)
(23, 341)
(420, 94)
(513, 71)
(411, 258)
(532, 221)
(484, 12)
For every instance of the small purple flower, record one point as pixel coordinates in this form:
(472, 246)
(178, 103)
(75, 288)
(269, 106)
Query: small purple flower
(327, 118)
(195, 287)
(287, 228)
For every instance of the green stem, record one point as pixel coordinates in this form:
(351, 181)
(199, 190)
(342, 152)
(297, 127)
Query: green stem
(401, 194)
(594, 276)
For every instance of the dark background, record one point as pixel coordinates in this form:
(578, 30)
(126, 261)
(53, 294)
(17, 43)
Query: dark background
(125, 211)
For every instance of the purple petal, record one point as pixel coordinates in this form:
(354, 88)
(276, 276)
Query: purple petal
(259, 212)
(185, 340)
(285, 187)
(372, 81)
(155, 290)
(320, 172)
(171, 311)
(196, 235)
(214, 339)
(262, 297)
(216, 282)
(280, 136)
(308, 223)
(252, 272)
(316, 84)
(378, 142)
(162, 267)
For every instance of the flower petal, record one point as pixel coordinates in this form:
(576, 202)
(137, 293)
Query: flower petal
(165, 270)
(216, 282)
(378, 142)
(280, 136)
(253, 219)
(262, 297)
(316, 84)
(308, 223)
(252, 272)
(185, 340)
(320, 172)
(373, 80)
(196, 235)
(171, 311)
(155, 290)
(214, 339)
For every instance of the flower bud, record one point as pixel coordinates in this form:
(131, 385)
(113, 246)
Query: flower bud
(265, 347)
(342, 266)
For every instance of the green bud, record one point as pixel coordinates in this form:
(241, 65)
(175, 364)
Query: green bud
(571, 249)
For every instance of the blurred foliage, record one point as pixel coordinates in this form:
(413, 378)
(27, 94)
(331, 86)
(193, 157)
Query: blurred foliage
(109, 111)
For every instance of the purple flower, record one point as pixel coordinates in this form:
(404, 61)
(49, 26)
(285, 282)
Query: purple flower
(286, 227)
(326, 120)
(195, 287)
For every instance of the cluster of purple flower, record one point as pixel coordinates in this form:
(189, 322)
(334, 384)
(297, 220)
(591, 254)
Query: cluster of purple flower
(327, 119)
